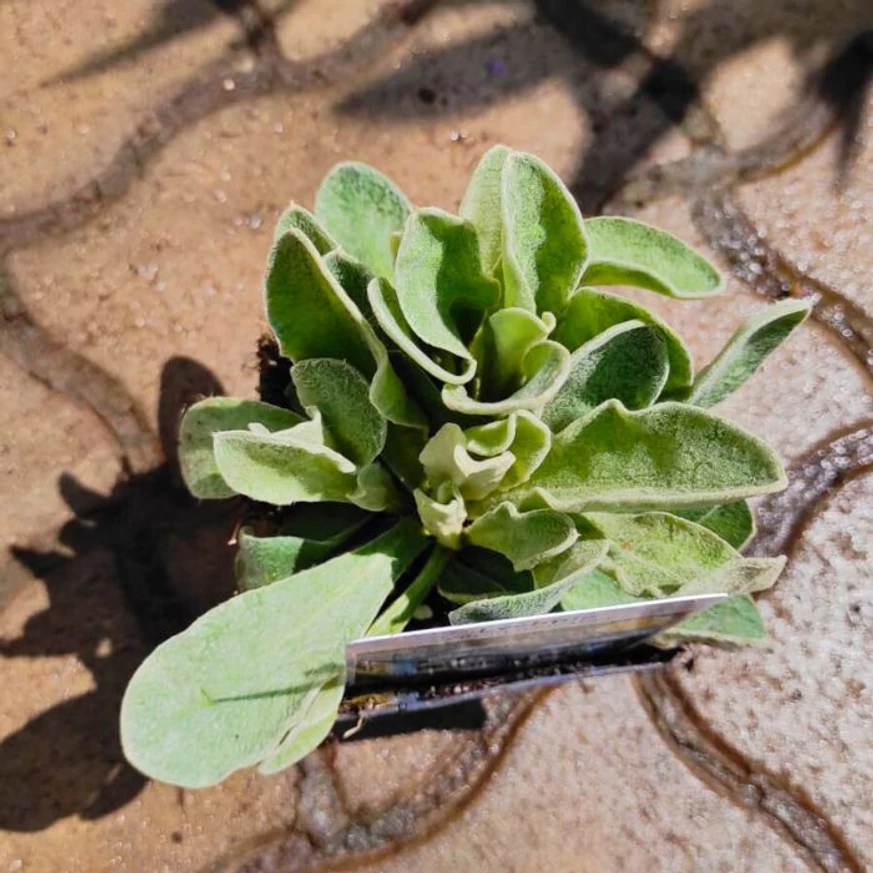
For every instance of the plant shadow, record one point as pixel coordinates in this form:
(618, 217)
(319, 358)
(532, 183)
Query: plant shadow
(483, 69)
(131, 569)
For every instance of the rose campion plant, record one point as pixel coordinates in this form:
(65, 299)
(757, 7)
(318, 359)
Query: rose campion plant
(470, 420)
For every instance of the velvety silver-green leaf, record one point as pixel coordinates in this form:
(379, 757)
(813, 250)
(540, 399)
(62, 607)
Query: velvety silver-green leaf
(545, 368)
(667, 456)
(297, 218)
(446, 458)
(492, 438)
(353, 277)
(476, 574)
(507, 336)
(207, 417)
(376, 491)
(582, 557)
(736, 621)
(225, 693)
(746, 350)
(442, 519)
(389, 315)
(590, 312)
(733, 522)
(627, 362)
(313, 726)
(314, 533)
(441, 285)
(481, 205)
(356, 428)
(309, 312)
(656, 553)
(282, 469)
(595, 589)
(361, 208)
(526, 538)
(544, 243)
(628, 252)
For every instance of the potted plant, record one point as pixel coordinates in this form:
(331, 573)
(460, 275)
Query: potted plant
(469, 422)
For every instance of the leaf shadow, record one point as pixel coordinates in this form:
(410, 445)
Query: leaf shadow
(129, 570)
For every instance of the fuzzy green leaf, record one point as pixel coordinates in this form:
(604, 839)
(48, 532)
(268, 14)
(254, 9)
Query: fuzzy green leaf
(207, 417)
(225, 693)
(582, 557)
(733, 522)
(507, 337)
(595, 589)
(491, 439)
(386, 308)
(308, 538)
(668, 456)
(526, 538)
(443, 519)
(361, 208)
(297, 218)
(628, 252)
(283, 468)
(340, 393)
(441, 286)
(759, 335)
(309, 312)
(590, 312)
(656, 553)
(477, 574)
(544, 243)
(353, 277)
(736, 621)
(530, 447)
(481, 205)
(627, 362)
(544, 370)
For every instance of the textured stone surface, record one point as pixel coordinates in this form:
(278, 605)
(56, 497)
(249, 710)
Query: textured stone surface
(146, 152)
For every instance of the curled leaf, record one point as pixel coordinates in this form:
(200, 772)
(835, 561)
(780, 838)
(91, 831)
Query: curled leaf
(442, 287)
(733, 522)
(627, 362)
(526, 538)
(477, 574)
(590, 312)
(544, 242)
(628, 252)
(361, 208)
(746, 350)
(443, 519)
(207, 417)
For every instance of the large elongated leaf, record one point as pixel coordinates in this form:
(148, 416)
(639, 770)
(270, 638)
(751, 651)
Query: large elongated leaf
(481, 205)
(526, 538)
(341, 394)
(544, 243)
(736, 621)
(595, 589)
(545, 368)
(759, 335)
(628, 252)
(590, 312)
(668, 456)
(627, 362)
(207, 417)
(226, 692)
(361, 208)
(309, 312)
(282, 468)
(441, 285)
(656, 553)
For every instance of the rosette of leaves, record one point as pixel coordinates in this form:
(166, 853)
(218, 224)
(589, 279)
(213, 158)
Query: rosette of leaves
(472, 421)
